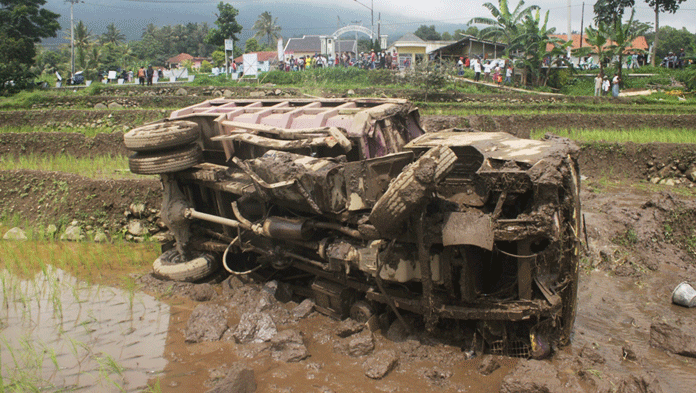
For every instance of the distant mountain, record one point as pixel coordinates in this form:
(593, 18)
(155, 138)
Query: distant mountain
(296, 18)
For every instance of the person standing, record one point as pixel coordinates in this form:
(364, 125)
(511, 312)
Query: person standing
(615, 85)
(477, 70)
(460, 66)
(149, 73)
(508, 75)
(487, 71)
(141, 76)
(598, 85)
(605, 85)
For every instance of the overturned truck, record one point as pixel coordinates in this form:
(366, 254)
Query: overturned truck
(352, 203)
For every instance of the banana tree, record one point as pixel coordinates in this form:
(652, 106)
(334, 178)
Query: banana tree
(533, 41)
(598, 38)
(504, 23)
(622, 36)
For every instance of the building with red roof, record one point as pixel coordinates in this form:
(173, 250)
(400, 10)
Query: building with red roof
(175, 62)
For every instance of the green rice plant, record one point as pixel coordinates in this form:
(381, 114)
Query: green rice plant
(643, 135)
(99, 167)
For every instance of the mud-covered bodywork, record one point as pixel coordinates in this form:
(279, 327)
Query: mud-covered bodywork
(352, 203)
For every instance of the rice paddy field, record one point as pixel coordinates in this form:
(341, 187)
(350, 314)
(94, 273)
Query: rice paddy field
(76, 318)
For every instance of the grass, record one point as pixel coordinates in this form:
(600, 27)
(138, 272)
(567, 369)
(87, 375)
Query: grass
(86, 260)
(642, 135)
(99, 167)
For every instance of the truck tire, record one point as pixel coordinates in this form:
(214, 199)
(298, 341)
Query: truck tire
(153, 163)
(162, 136)
(410, 188)
(172, 266)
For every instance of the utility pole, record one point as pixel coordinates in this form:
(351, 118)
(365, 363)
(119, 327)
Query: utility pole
(72, 39)
(582, 23)
(570, 32)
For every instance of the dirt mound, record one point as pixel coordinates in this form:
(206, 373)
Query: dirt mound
(58, 198)
(52, 143)
(80, 117)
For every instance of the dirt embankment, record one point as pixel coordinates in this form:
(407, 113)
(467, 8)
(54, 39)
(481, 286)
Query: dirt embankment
(59, 198)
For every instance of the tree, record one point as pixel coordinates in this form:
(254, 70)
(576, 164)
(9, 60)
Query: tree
(267, 27)
(447, 36)
(658, 6)
(504, 23)
(673, 40)
(112, 35)
(24, 24)
(427, 33)
(251, 45)
(597, 38)
(609, 11)
(622, 36)
(227, 26)
(533, 41)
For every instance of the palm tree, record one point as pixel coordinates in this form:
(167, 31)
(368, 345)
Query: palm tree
(112, 35)
(504, 23)
(267, 26)
(94, 56)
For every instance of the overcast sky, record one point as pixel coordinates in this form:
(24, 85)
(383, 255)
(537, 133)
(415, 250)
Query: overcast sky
(133, 15)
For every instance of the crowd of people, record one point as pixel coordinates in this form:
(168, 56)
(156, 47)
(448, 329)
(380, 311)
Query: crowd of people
(372, 60)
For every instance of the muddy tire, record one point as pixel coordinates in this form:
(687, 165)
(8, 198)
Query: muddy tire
(165, 161)
(410, 188)
(162, 136)
(172, 266)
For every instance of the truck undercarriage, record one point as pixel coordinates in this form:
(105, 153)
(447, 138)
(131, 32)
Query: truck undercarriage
(351, 203)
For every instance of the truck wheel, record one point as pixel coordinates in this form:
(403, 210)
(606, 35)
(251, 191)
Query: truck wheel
(361, 311)
(161, 136)
(153, 163)
(172, 266)
(410, 188)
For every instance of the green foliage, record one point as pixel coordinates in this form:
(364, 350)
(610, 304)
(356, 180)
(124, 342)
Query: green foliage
(504, 23)
(267, 27)
(206, 66)
(112, 35)
(427, 33)
(673, 40)
(609, 11)
(283, 78)
(560, 77)
(24, 24)
(227, 26)
(218, 58)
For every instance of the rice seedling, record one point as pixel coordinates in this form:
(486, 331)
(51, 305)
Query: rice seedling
(99, 167)
(643, 135)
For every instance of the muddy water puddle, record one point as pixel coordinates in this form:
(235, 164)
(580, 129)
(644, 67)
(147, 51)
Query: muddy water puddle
(616, 313)
(57, 333)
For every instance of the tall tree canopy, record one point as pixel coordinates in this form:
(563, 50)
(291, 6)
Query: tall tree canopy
(609, 11)
(227, 26)
(112, 35)
(23, 24)
(267, 27)
(427, 33)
